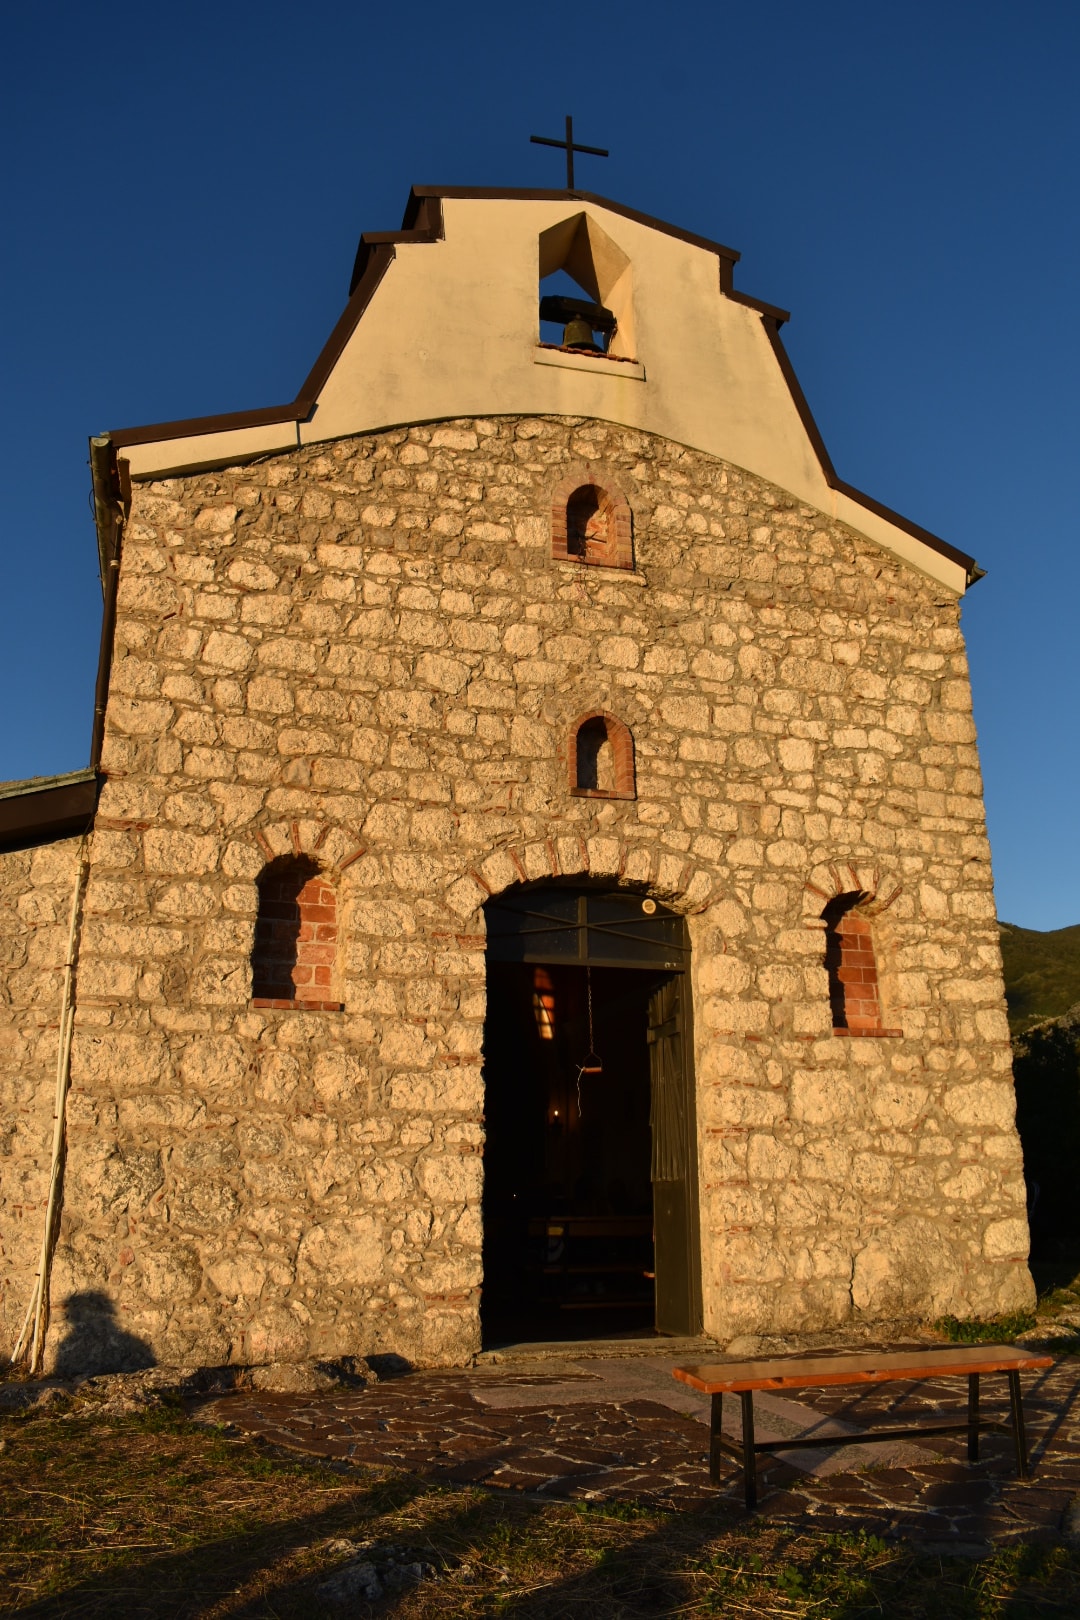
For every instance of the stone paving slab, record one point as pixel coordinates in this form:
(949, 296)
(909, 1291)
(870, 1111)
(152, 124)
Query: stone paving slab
(650, 1378)
(615, 1433)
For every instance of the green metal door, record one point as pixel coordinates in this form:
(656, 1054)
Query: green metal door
(674, 1161)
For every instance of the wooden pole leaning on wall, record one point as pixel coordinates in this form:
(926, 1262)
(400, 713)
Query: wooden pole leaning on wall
(36, 1322)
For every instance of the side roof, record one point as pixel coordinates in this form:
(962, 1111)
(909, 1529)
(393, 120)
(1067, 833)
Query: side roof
(457, 336)
(45, 808)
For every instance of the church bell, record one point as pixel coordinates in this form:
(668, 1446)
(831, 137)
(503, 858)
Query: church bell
(578, 334)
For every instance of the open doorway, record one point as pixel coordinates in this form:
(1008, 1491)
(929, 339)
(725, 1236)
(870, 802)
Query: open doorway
(590, 1203)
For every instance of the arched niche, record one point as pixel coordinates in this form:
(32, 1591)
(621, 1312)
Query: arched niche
(591, 522)
(294, 952)
(852, 967)
(600, 757)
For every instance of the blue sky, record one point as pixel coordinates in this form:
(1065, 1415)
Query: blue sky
(184, 188)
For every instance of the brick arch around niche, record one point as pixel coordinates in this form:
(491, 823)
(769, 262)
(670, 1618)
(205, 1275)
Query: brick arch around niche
(591, 521)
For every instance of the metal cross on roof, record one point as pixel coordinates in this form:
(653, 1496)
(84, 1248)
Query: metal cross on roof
(568, 144)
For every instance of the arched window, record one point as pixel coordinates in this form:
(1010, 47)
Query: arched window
(590, 523)
(852, 968)
(295, 950)
(601, 758)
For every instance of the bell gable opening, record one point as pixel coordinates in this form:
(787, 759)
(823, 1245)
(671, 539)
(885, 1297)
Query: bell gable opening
(586, 286)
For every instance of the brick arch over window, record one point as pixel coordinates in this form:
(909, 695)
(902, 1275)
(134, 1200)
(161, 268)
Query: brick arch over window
(294, 953)
(591, 522)
(600, 757)
(851, 965)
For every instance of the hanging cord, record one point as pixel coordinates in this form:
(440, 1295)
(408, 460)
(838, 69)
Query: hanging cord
(592, 1063)
(37, 1312)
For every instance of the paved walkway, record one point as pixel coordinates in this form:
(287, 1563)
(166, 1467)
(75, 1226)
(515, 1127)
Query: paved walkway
(618, 1428)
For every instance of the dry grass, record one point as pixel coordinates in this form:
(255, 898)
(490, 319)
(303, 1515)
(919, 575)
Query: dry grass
(152, 1516)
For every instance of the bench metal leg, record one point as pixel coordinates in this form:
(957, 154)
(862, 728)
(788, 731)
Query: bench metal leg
(973, 1417)
(716, 1450)
(749, 1456)
(1019, 1435)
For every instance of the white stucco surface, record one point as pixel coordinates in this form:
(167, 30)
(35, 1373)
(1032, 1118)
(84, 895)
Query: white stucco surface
(451, 331)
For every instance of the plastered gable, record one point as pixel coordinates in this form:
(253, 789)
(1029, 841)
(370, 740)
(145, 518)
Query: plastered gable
(469, 304)
(449, 327)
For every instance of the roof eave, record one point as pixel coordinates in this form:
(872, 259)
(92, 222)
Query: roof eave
(46, 808)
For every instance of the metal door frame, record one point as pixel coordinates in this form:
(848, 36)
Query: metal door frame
(685, 1034)
(663, 949)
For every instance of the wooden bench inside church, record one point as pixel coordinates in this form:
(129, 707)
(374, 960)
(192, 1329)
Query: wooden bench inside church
(742, 1378)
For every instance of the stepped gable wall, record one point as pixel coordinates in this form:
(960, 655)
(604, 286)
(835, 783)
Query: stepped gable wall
(365, 653)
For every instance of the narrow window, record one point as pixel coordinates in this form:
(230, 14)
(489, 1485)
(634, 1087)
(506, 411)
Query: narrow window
(601, 758)
(295, 948)
(852, 968)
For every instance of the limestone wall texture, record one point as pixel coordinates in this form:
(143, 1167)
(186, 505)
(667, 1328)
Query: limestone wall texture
(36, 887)
(365, 652)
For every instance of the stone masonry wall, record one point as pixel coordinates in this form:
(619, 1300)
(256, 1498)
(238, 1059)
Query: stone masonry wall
(36, 887)
(364, 652)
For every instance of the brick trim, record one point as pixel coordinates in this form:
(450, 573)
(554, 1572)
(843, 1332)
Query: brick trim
(876, 1034)
(621, 739)
(879, 889)
(602, 522)
(298, 1006)
(331, 846)
(681, 884)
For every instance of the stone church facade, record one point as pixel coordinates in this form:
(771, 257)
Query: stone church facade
(482, 617)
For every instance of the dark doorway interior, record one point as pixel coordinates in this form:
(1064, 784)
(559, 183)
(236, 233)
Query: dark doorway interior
(590, 1203)
(568, 1206)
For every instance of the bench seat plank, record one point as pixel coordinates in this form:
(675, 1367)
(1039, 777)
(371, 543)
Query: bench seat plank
(871, 1367)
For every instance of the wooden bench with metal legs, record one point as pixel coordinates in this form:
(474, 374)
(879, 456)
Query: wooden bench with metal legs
(742, 1378)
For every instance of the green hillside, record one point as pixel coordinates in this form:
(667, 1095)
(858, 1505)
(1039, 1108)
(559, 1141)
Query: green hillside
(1042, 973)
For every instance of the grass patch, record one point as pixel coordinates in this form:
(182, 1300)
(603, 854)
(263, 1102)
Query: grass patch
(153, 1518)
(994, 1330)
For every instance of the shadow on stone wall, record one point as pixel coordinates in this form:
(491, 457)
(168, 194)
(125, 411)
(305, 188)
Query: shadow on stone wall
(94, 1341)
